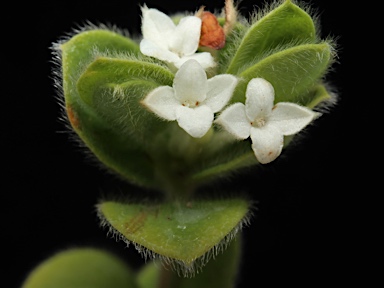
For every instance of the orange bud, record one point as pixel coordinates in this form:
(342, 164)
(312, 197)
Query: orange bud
(212, 34)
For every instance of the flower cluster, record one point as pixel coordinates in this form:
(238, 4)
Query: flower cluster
(194, 99)
(201, 96)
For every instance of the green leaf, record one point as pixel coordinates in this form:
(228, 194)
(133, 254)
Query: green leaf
(292, 72)
(225, 264)
(114, 88)
(121, 154)
(224, 165)
(317, 95)
(222, 155)
(184, 234)
(81, 49)
(81, 268)
(111, 90)
(285, 25)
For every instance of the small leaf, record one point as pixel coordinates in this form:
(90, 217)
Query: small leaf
(183, 234)
(114, 88)
(287, 24)
(225, 167)
(317, 95)
(292, 72)
(223, 155)
(80, 268)
(117, 71)
(79, 51)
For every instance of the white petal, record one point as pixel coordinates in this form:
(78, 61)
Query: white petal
(234, 120)
(259, 98)
(162, 102)
(190, 82)
(267, 143)
(290, 118)
(220, 90)
(149, 48)
(157, 27)
(186, 37)
(204, 58)
(195, 121)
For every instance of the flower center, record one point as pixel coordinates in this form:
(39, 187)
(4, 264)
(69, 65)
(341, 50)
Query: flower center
(177, 52)
(258, 122)
(190, 103)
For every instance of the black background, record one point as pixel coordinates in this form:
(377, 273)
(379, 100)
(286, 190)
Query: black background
(301, 230)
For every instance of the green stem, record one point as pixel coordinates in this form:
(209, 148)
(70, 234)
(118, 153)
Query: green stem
(168, 278)
(174, 183)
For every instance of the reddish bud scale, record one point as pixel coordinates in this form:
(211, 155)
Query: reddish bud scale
(72, 117)
(212, 34)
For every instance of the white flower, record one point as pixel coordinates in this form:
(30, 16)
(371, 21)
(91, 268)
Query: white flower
(193, 99)
(265, 123)
(164, 40)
